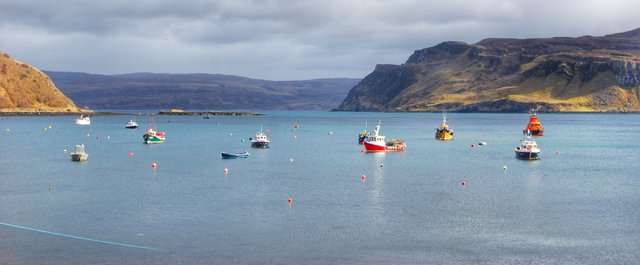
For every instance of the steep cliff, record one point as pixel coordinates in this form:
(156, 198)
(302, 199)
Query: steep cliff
(585, 74)
(23, 88)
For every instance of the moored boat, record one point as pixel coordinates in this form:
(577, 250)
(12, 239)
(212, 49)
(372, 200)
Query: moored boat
(528, 149)
(444, 132)
(376, 143)
(79, 155)
(131, 124)
(260, 141)
(226, 155)
(152, 136)
(534, 127)
(83, 120)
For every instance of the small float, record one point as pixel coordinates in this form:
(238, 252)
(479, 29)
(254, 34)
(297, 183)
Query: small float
(79, 155)
(152, 136)
(444, 132)
(528, 149)
(376, 143)
(534, 127)
(226, 155)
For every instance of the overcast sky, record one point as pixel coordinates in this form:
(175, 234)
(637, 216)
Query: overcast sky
(279, 40)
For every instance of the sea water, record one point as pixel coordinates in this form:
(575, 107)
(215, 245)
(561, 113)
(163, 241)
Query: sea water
(579, 204)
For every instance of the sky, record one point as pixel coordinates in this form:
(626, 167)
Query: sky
(279, 39)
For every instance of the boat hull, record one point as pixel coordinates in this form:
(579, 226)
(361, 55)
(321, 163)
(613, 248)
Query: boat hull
(260, 145)
(131, 126)
(234, 155)
(79, 157)
(444, 135)
(152, 139)
(372, 147)
(527, 155)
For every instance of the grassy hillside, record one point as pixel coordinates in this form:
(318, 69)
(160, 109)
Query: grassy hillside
(585, 74)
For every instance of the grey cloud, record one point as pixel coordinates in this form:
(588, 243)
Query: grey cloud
(278, 39)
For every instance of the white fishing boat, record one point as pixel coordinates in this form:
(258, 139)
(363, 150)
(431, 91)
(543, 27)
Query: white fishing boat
(528, 149)
(132, 124)
(83, 120)
(260, 141)
(79, 155)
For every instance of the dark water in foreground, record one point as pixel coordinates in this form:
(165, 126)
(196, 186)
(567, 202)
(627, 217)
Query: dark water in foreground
(578, 206)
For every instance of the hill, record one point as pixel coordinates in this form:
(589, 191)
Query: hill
(584, 74)
(199, 91)
(23, 88)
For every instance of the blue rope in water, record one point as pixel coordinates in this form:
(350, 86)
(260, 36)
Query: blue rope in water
(75, 237)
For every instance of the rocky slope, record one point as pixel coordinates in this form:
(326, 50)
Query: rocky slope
(199, 91)
(584, 74)
(23, 88)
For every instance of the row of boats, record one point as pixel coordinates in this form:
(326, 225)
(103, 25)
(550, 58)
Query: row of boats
(527, 150)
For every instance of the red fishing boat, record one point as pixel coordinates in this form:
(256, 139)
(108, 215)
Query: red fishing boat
(533, 127)
(376, 143)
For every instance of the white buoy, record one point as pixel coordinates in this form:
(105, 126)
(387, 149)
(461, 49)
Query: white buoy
(504, 167)
(330, 133)
(291, 160)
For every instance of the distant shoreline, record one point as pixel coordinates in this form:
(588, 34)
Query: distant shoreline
(106, 113)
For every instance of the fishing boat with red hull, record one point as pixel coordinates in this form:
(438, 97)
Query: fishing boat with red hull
(534, 127)
(377, 143)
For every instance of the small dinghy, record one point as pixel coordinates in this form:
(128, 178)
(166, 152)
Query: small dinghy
(226, 155)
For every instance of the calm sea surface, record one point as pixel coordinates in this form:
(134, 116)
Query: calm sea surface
(579, 204)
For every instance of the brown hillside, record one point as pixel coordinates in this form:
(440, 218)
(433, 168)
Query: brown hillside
(23, 88)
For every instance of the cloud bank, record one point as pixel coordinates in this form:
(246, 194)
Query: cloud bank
(278, 39)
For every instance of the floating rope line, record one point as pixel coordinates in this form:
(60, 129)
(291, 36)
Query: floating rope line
(75, 237)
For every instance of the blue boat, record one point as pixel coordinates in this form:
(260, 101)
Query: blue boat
(225, 155)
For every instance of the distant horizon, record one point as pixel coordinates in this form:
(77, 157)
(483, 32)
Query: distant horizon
(279, 40)
(195, 73)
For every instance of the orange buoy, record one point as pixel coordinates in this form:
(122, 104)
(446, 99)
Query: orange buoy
(154, 165)
(361, 150)
(268, 131)
(290, 201)
(130, 154)
(363, 177)
(226, 170)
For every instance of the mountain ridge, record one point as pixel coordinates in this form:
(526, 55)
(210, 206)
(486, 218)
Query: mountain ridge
(199, 91)
(561, 74)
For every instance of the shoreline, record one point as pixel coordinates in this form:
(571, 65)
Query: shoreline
(106, 113)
